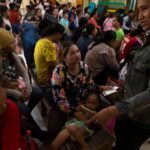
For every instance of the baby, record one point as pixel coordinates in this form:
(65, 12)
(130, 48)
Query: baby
(75, 128)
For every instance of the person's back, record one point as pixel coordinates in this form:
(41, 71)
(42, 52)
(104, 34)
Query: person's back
(89, 31)
(83, 43)
(45, 52)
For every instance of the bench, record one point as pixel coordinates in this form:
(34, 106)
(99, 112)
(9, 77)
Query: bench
(100, 140)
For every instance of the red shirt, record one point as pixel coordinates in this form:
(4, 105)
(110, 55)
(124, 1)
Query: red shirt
(128, 44)
(14, 16)
(10, 127)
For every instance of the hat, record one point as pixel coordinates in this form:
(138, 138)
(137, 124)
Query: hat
(6, 38)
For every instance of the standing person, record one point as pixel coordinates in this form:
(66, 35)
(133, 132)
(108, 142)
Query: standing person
(117, 23)
(89, 31)
(133, 129)
(45, 52)
(29, 13)
(4, 13)
(107, 24)
(54, 16)
(128, 22)
(37, 17)
(14, 17)
(75, 127)
(93, 18)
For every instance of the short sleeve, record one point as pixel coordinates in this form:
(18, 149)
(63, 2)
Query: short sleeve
(49, 51)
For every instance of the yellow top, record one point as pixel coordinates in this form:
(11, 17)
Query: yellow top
(44, 54)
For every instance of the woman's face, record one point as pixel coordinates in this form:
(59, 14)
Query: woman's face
(39, 13)
(115, 22)
(73, 56)
(55, 12)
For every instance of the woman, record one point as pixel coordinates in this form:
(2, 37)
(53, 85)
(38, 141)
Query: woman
(101, 58)
(45, 52)
(70, 83)
(88, 32)
(117, 23)
(93, 18)
(9, 122)
(37, 16)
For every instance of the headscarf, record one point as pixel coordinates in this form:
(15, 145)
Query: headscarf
(6, 38)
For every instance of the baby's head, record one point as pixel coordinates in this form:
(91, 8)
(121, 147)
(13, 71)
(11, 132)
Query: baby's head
(93, 101)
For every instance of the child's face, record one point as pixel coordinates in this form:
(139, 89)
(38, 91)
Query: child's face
(92, 102)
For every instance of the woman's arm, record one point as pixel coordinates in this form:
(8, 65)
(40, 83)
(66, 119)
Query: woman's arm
(58, 90)
(22, 71)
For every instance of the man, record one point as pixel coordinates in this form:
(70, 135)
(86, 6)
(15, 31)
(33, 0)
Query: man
(128, 22)
(133, 127)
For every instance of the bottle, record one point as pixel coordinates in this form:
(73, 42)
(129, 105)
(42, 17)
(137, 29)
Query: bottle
(28, 139)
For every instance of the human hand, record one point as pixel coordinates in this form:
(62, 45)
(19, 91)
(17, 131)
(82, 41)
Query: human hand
(24, 96)
(104, 116)
(105, 87)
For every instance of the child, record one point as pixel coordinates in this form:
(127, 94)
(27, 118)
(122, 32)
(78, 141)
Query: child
(75, 127)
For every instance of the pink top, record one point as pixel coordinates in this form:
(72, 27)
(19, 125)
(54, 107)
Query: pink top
(107, 25)
(93, 21)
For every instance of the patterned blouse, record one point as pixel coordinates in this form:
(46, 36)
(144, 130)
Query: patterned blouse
(68, 90)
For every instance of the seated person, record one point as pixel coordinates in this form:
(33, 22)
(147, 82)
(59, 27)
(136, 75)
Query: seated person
(9, 122)
(75, 127)
(13, 68)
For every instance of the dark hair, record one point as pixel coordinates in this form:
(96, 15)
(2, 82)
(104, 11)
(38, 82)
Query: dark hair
(93, 12)
(130, 11)
(65, 11)
(78, 6)
(86, 9)
(73, 8)
(66, 46)
(37, 9)
(137, 31)
(1, 22)
(29, 7)
(79, 11)
(83, 21)
(12, 5)
(104, 37)
(88, 29)
(94, 92)
(3, 9)
(52, 29)
(43, 24)
(119, 19)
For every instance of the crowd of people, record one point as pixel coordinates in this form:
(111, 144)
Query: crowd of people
(73, 52)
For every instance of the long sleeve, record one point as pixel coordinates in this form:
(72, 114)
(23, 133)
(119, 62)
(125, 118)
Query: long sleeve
(11, 127)
(136, 101)
(58, 90)
(111, 62)
(135, 104)
(22, 71)
(125, 19)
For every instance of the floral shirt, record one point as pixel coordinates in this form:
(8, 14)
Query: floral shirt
(68, 89)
